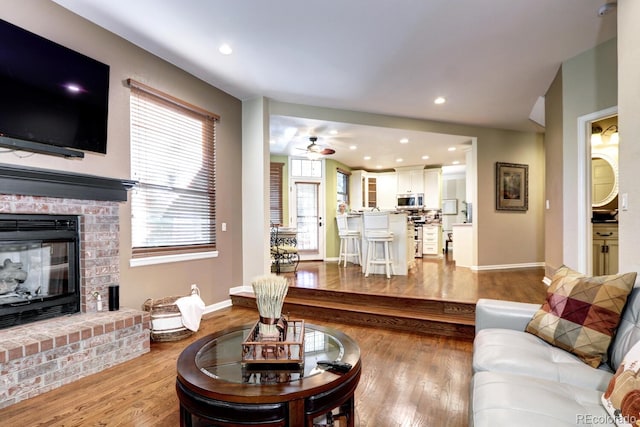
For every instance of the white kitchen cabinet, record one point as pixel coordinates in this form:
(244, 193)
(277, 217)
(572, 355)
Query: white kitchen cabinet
(356, 185)
(386, 190)
(431, 239)
(432, 185)
(410, 180)
(370, 190)
(363, 190)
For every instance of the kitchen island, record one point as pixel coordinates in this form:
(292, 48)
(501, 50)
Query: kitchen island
(402, 247)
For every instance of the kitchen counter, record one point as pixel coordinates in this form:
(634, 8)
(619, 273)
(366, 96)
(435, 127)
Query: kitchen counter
(463, 244)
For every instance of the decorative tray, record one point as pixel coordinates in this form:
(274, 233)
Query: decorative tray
(266, 351)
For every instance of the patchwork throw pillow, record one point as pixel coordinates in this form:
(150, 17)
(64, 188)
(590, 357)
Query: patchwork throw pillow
(581, 313)
(622, 397)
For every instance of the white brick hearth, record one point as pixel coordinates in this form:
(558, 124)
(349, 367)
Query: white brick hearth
(40, 356)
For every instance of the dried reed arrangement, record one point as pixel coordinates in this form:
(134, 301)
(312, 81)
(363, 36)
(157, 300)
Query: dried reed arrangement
(270, 291)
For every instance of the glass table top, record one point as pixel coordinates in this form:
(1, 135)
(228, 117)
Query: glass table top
(221, 358)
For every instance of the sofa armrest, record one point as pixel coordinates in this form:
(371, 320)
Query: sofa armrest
(492, 313)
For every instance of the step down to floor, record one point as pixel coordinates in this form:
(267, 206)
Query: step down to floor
(431, 317)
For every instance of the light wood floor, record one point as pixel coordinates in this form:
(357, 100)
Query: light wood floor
(407, 379)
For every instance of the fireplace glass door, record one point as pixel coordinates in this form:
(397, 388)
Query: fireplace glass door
(38, 268)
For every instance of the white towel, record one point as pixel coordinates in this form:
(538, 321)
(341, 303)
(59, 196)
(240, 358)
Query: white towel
(191, 309)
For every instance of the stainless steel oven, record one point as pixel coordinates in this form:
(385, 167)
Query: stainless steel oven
(417, 237)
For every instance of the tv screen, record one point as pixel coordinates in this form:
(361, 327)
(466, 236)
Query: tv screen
(50, 94)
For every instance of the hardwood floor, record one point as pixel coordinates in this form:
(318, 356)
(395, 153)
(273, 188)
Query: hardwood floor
(407, 379)
(430, 278)
(435, 298)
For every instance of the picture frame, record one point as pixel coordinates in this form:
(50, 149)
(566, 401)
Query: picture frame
(449, 206)
(512, 187)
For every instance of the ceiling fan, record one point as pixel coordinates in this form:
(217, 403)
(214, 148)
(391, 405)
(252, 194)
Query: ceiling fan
(316, 150)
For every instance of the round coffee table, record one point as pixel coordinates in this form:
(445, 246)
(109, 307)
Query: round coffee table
(215, 387)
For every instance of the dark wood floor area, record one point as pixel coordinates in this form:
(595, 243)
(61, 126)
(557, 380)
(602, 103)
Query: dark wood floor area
(408, 379)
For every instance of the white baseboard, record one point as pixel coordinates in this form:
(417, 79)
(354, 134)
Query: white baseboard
(217, 306)
(240, 289)
(507, 266)
(227, 303)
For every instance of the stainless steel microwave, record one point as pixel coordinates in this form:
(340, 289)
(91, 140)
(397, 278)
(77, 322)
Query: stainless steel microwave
(410, 201)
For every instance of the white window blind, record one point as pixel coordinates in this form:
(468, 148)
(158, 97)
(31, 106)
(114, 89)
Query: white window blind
(173, 160)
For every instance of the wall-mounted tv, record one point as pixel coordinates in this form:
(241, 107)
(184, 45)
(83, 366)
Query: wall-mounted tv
(53, 100)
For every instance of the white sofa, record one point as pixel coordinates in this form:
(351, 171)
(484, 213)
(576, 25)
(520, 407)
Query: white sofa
(521, 380)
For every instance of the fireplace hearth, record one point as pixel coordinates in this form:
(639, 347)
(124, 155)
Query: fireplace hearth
(37, 357)
(39, 274)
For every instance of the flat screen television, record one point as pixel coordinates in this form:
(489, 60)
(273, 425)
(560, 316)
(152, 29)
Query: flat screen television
(53, 100)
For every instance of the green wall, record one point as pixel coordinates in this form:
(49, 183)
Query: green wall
(331, 202)
(330, 170)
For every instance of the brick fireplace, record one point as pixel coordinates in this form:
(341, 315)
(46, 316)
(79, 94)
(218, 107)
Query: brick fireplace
(43, 355)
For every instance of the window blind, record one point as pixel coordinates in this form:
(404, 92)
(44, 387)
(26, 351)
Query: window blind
(173, 160)
(275, 194)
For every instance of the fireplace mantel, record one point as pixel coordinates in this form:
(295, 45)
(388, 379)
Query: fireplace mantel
(50, 183)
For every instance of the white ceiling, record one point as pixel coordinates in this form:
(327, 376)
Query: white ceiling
(491, 59)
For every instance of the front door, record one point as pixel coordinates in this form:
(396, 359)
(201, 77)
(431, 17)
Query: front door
(308, 220)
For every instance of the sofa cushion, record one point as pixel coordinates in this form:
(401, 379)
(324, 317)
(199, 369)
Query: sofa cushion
(628, 332)
(517, 352)
(581, 313)
(622, 397)
(501, 399)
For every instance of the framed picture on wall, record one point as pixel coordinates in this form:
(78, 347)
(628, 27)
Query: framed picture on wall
(512, 187)
(449, 206)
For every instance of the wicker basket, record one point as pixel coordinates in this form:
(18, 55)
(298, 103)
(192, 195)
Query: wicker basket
(166, 320)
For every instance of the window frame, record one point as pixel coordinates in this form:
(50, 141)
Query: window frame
(276, 190)
(173, 252)
(347, 176)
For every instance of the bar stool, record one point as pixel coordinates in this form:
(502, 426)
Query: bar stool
(348, 236)
(376, 232)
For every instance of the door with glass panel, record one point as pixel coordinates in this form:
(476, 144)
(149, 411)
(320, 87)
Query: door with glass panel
(308, 220)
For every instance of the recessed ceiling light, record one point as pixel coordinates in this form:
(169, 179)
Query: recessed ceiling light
(225, 49)
(367, 157)
(404, 141)
(439, 100)
(333, 132)
(399, 160)
(378, 167)
(353, 147)
(425, 157)
(455, 162)
(452, 148)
